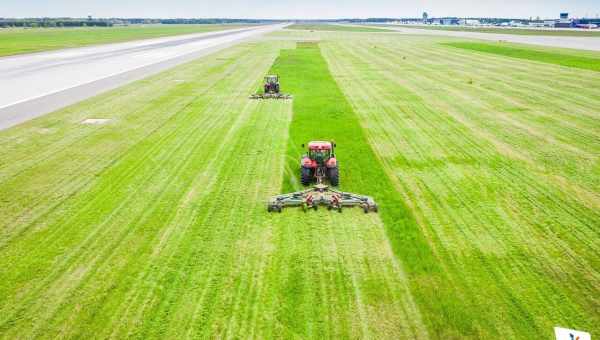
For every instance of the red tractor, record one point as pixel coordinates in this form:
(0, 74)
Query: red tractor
(316, 166)
(271, 89)
(271, 84)
(319, 164)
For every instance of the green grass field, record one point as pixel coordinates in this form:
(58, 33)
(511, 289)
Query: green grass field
(517, 31)
(334, 27)
(564, 58)
(19, 41)
(486, 169)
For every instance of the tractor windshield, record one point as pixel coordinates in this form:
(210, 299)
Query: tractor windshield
(319, 155)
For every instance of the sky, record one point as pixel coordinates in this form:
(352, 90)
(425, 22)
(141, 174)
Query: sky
(297, 9)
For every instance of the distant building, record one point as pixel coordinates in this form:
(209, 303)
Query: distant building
(587, 26)
(587, 23)
(564, 21)
(445, 21)
(538, 23)
(561, 24)
(469, 22)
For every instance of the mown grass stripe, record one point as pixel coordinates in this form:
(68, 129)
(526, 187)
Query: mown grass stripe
(537, 128)
(322, 112)
(335, 28)
(113, 247)
(563, 59)
(99, 147)
(497, 224)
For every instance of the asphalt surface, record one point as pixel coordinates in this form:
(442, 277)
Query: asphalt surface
(580, 43)
(32, 85)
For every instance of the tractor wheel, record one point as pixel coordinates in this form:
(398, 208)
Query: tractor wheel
(334, 176)
(306, 176)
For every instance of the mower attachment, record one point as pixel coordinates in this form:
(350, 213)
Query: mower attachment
(270, 96)
(321, 194)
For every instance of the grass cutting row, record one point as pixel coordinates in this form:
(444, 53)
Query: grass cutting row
(318, 165)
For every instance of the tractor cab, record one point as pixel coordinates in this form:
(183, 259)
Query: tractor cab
(319, 163)
(272, 79)
(272, 84)
(320, 151)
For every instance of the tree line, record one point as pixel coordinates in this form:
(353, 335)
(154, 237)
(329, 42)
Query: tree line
(89, 22)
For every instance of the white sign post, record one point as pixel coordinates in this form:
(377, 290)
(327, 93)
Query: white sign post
(571, 334)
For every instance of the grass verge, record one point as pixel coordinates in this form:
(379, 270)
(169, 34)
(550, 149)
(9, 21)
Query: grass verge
(507, 197)
(332, 27)
(20, 41)
(562, 59)
(515, 31)
(113, 230)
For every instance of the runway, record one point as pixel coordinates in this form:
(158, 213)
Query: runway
(32, 85)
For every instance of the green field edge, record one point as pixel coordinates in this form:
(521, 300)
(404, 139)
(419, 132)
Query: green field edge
(15, 42)
(335, 28)
(513, 31)
(321, 111)
(521, 52)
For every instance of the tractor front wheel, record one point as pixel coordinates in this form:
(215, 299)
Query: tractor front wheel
(334, 176)
(306, 176)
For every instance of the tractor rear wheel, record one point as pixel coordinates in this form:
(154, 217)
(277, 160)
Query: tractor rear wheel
(334, 176)
(306, 176)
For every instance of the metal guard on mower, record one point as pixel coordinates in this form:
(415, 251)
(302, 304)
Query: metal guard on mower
(321, 194)
(270, 96)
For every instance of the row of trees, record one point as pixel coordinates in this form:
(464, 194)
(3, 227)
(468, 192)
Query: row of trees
(212, 21)
(53, 23)
(69, 22)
